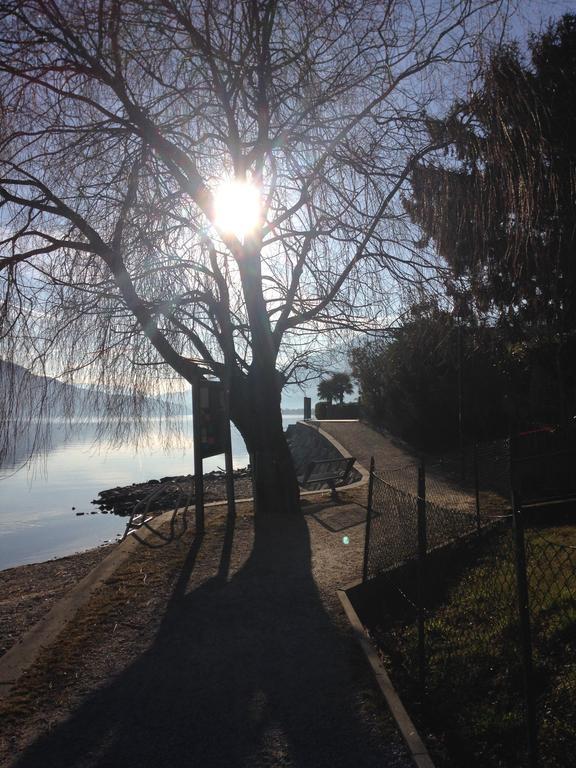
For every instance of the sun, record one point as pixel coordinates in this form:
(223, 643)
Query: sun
(237, 208)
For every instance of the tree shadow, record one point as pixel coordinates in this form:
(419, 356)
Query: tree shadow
(245, 671)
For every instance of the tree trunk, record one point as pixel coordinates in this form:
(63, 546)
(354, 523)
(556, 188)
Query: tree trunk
(255, 410)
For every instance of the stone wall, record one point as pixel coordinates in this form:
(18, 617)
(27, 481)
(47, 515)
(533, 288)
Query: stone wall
(307, 444)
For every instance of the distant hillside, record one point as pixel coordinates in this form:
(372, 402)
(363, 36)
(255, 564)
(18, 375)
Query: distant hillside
(36, 396)
(292, 400)
(56, 398)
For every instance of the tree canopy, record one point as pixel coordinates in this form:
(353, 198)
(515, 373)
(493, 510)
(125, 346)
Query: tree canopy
(500, 206)
(335, 387)
(120, 123)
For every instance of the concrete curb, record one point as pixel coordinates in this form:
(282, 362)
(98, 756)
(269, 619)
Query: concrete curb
(414, 743)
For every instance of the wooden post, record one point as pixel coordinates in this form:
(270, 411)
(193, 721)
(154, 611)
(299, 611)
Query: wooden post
(198, 465)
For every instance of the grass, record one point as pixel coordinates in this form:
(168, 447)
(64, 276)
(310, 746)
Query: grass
(473, 713)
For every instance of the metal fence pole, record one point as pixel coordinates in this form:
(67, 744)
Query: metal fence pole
(421, 598)
(524, 613)
(368, 522)
(477, 487)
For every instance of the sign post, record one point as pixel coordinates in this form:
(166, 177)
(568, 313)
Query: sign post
(211, 437)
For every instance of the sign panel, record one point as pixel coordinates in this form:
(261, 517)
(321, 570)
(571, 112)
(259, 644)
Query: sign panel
(210, 414)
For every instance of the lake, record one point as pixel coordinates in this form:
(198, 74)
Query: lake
(40, 502)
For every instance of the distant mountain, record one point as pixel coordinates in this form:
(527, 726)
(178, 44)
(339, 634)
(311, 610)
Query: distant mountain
(25, 393)
(292, 399)
(40, 396)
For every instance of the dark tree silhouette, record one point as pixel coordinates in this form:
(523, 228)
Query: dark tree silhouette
(119, 123)
(501, 211)
(336, 387)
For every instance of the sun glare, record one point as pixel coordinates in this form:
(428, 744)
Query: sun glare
(237, 208)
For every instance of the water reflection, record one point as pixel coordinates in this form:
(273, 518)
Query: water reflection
(45, 508)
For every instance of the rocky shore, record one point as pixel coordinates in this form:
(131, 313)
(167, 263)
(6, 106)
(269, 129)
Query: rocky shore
(170, 492)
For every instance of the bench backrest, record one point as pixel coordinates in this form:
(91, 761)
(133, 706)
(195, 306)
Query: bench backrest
(329, 468)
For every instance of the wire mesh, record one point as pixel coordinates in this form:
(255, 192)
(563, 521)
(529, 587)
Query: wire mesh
(404, 478)
(447, 524)
(467, 590)
(393, 528)
(491, 466)
(444, 492)
(473, 662)
(494, 467)
(551, 569)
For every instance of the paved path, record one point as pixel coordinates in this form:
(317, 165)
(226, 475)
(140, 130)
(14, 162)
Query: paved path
(230, 650)
(397, 464)
(363, 442)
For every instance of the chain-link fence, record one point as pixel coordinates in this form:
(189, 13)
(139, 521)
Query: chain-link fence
(393, 538)
(551, 570)
(478, 619)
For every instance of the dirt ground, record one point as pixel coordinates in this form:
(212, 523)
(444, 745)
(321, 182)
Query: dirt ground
(29, 591)
(229, 649)
(226, 650)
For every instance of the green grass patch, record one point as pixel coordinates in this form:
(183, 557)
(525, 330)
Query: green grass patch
(473, 710)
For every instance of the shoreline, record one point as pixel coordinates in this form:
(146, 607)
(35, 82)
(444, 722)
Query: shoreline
(215, 491)
(29, 590)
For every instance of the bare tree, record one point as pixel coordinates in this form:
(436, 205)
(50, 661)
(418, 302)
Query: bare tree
(120, 121)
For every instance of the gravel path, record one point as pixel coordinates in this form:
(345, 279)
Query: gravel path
(232, 650)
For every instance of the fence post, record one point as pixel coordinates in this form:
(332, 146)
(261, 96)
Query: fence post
(524, 613)
(368, 522)
(477, 487)
(422, 546)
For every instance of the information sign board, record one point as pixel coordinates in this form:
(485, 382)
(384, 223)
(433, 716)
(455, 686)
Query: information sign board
(211, 418)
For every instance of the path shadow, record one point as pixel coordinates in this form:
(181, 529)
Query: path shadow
(245, 671)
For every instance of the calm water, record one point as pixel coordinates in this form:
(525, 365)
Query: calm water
(37, 521)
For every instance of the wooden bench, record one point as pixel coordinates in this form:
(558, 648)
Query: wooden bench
(328, 471)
